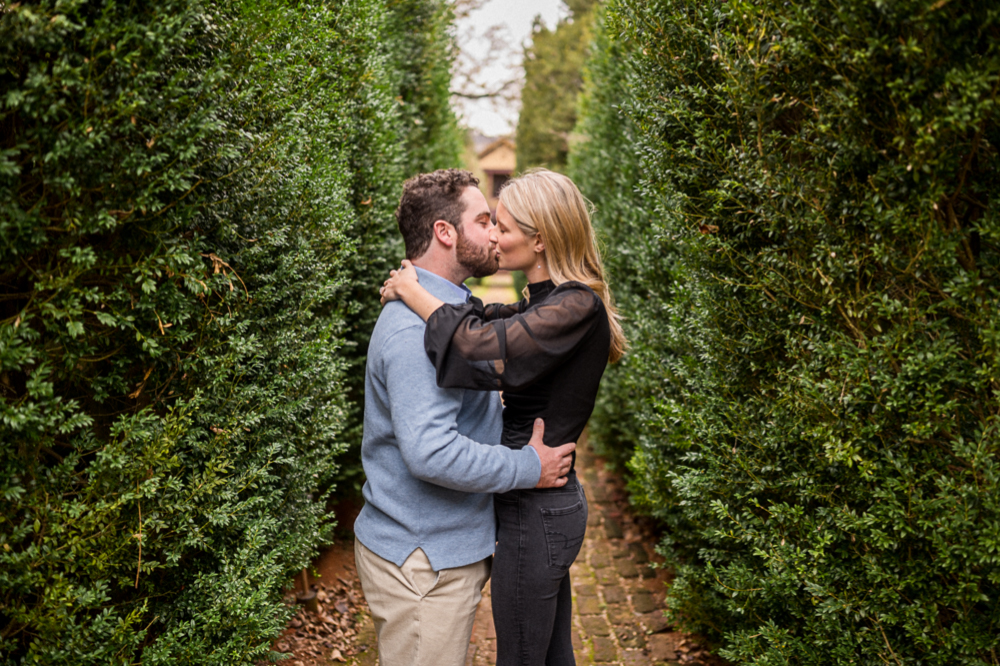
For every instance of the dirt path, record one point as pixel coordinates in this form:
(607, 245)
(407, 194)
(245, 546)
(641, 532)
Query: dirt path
(342, 631)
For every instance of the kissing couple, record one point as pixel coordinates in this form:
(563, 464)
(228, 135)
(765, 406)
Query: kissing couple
(461, 484)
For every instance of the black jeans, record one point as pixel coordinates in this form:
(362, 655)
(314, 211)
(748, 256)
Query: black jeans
(539, 535)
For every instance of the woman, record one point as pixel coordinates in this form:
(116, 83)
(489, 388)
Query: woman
(547, 354)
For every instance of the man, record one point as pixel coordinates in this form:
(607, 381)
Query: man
(427, 531)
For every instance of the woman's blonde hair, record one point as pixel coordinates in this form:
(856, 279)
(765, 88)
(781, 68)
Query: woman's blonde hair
(548, 203)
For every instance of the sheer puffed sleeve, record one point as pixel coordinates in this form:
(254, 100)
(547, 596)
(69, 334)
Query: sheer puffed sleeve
(496, 310)
(509, 353)
(501, 311)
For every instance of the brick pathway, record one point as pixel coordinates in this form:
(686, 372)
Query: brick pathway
(617, 593)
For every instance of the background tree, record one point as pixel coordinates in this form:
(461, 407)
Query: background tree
(479, 54)
(553, 78)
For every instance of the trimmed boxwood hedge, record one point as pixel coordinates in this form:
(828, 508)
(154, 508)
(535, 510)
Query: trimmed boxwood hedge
(418, 52)
(642, 262)
(195, 205)
(812, 290)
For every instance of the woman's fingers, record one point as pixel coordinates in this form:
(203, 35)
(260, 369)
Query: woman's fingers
(397, 276)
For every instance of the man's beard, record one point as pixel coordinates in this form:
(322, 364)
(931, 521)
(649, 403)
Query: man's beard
(480, 261)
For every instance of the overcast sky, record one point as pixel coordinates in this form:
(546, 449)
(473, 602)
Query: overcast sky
(516, 16)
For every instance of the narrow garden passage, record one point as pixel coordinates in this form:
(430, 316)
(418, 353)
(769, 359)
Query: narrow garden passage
(618, 596)
(618, 591)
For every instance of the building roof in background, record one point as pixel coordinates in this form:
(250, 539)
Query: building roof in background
(499, 156)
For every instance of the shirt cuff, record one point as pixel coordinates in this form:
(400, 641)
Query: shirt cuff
(530, 472)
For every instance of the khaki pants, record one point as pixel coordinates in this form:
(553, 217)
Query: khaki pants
(422, 617)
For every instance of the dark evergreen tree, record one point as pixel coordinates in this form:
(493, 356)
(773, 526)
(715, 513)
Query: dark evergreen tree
(553, 77)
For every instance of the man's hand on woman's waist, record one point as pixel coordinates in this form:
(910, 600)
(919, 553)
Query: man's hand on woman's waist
(556, 460)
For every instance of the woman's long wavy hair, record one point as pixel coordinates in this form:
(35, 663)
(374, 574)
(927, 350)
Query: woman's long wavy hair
(548, 203)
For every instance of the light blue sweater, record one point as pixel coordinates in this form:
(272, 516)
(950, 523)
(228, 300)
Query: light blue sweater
(432, 456)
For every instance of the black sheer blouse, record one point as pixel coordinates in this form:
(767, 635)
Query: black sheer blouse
(546, 354)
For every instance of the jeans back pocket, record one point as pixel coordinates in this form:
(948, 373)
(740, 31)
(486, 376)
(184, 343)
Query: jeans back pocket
(564, 531)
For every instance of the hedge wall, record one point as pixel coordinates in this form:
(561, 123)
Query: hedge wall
(640, 261)
(195, 199)
(418, 50)
(824, 421)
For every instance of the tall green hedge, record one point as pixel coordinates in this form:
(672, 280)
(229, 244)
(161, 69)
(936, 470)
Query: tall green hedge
(825, 421)
(422, 51)
(419, 48)
(195, 204)
(641, 259)
(636, 258)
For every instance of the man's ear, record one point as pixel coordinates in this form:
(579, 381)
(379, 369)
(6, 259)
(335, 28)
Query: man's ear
(445, 233)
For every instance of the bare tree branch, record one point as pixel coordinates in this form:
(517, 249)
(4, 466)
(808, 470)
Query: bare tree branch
(479, 58)
(462, 8)
(498, 92)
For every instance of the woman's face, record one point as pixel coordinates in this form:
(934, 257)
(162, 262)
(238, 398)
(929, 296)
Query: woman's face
(517, 251)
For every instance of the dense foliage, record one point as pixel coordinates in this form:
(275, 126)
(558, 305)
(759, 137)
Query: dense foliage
(553, 76)
(416, 35)
(633, 254)
(820, 181)
(422, 54)
(195, 201)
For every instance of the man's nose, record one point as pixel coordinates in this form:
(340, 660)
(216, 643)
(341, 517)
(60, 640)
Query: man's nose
(493, 235)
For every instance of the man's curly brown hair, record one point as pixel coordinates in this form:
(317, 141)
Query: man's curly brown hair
(427, 198)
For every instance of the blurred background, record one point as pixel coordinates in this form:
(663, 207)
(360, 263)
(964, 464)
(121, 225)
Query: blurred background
(517, 73)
